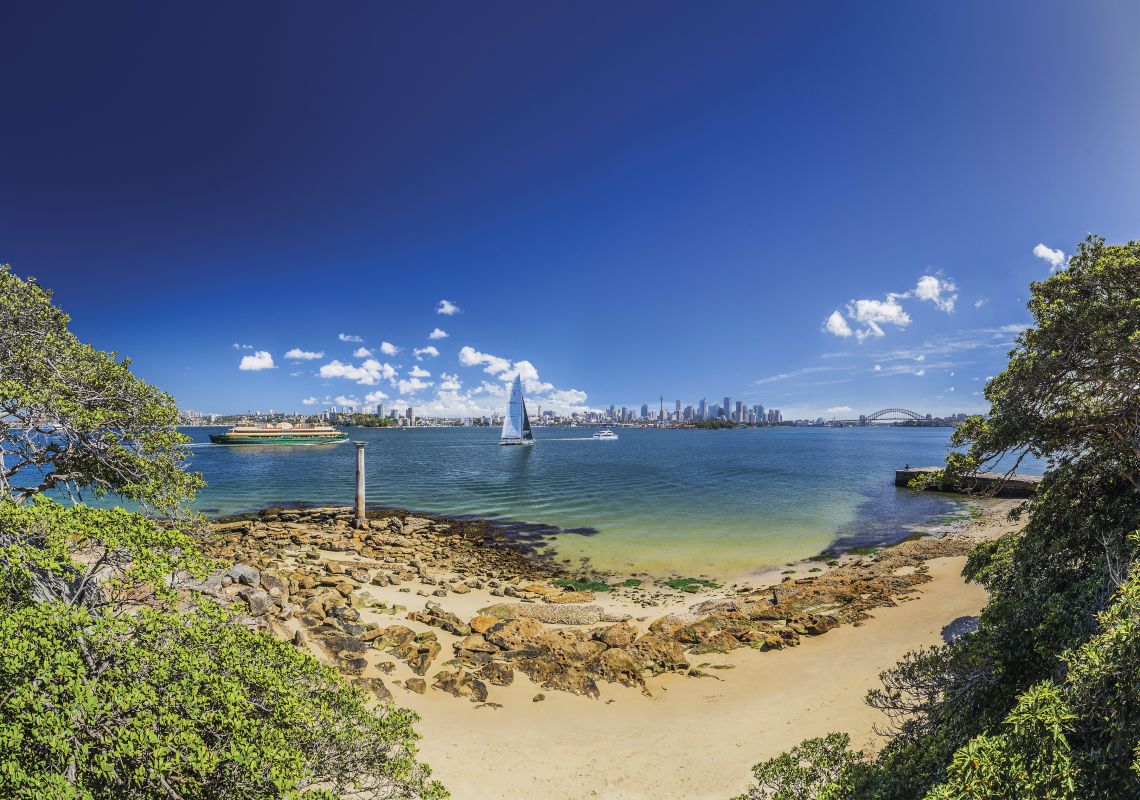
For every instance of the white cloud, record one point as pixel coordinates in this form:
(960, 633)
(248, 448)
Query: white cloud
(449, 383)
(341, 400)
(920, 357)
(940, 291)
(447, 308)
(420, 352)
(950, 389)
(348, 337)
(240, 346)
(1016, 327)
(360, 352)
(413, 385)
(470, 357)
(438, 333)
(837, 325)
(375, 397)
(258, 361)
(369, 373)
(297, 354)
(872, 329)
(1055, 257)
(878, 368)
(388, 349)
(981, 301)
(310, 401)
(839, 410)
(879, 311)
(419, 372)
(920, 372)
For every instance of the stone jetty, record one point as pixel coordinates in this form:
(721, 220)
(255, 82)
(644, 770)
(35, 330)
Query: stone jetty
(993, 484)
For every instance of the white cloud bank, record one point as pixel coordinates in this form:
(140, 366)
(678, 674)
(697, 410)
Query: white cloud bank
(1056, 258)
(438, 333)
(839, 410)
(447, 308)
(361, 352)
(297, 354)
(871, 314)
(258, 361)
(388, 349)
(420, 352)
(369, 373)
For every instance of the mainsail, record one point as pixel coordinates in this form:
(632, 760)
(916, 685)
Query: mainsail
(516, 425)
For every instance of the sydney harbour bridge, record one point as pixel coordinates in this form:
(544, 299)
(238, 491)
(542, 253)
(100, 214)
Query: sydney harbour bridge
(892, 416)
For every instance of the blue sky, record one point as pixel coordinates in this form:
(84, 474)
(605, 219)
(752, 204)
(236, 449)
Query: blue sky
(620, 200)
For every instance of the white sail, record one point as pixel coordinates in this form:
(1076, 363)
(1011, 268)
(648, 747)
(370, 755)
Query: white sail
(516, 423)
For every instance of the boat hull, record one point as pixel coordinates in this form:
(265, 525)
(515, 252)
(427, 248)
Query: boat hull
(282, 438)
(523, 442)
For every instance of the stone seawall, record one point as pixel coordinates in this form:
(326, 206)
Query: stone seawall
(995, 484)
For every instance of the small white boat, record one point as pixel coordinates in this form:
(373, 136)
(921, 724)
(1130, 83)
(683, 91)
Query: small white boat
(605, 435)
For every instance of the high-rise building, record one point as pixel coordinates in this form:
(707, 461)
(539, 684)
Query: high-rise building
(727, 407)
(703, 409)
(758, 412)
(678, 417)
(740, 411)
(645, 410)
(661, 409)
(411, 414)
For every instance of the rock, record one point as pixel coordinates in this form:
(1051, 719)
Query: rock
(354, 666)
(274, 583)
(376, 687)
(476, 643)
(339, 645)
(515, 634)
(482, 623)
(538, 698)
(659, 654)
(497, 673)
(552, 674)
(245, 574)
(620, 635)
(417, 685)
(550, 614)
(301, 639)
(617, 665)
(258, 601)
(571, 597)
(461, 684)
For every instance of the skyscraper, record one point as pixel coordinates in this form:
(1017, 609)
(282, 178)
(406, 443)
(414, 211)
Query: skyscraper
(727, 407)
(678, 416)
(703, 409)
(645, 410)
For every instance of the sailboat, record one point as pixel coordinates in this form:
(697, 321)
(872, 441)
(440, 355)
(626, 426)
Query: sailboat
(516, 424)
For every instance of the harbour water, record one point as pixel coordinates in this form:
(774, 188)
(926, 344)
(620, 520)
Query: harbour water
(662, 501)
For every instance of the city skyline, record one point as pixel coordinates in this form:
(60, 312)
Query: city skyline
(716, 201)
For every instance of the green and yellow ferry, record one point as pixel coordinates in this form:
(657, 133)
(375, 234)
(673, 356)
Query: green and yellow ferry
(281, 433)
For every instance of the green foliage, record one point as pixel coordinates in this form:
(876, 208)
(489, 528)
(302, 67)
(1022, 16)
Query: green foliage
(815, 769)
(192, 705)
(631, 583)
(691, 584)
(581, 585)
(123, 557)
(75, 418)
(714, 424)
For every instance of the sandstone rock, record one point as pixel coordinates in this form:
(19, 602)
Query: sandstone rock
(516, 634)
(461, 684)
(476, 643)
(617, 665)
(552, 674)
(482, 624)
(659, 654)
(376, 687)
(571, 597)
(353, 666)
(258, 600)
(301, 639)
(272, 582)
(417, 685)
(538, 698)
(245, 574)
(620, 635)
(497, 673)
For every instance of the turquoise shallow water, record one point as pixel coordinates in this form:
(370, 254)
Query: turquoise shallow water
(717, 502)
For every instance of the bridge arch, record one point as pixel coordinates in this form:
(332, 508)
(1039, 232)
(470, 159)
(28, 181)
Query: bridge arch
(894, 415)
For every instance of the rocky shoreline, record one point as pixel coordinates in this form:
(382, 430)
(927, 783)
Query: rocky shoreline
(452, 605)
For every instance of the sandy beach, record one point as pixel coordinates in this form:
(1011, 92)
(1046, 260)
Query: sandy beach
(692, 732)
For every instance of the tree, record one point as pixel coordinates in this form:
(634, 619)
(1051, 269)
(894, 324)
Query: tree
(75, 418)
(159, 705)
(815, 769)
